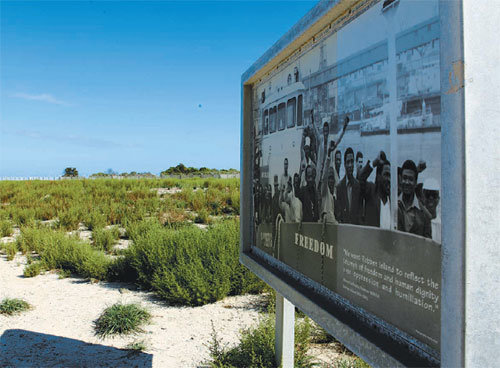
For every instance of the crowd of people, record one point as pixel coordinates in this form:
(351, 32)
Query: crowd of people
(316, 193)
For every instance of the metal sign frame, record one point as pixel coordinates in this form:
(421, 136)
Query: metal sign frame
(376, 341)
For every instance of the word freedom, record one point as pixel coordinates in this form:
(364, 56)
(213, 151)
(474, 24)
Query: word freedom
(314, 245)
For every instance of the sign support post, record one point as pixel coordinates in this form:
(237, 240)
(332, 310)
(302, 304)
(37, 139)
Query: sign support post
(285, 332)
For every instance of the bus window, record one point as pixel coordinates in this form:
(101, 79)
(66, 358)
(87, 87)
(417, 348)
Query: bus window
(281, 116)
(290, 113)
(299, 110)
(266, 122)
(272, 120)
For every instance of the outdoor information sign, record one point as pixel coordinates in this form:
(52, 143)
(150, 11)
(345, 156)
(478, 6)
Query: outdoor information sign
(343, 122)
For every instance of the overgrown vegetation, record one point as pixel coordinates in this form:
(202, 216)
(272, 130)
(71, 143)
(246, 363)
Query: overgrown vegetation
(121, 319)
(190, 266)
(12, 306)
(9, 249)
(179, 262)
(6, 228)
(105, 239)
(256, 347)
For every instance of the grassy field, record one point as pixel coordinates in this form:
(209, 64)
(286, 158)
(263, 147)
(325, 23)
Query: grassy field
(182, 263)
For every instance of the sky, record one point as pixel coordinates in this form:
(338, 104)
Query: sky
(128, 86)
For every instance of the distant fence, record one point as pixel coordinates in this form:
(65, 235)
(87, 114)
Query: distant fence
(23, 178)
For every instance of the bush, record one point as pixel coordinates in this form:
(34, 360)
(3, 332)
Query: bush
(76, 257)
(105, 239)
(256, 347)
(23, 216)
(70, 219)
(10, 250)
(36, 240)
(6, 228)
(13, 306)
(95, 220)
(203, 217)
(190, 266)
(33, 269)
(121, 319)
(58, 251)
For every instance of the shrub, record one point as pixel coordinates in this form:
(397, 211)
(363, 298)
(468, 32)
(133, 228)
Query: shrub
(137, 346)
(36, 239)
(23, 216)
(95, 220)
(104, 239)
(70, 219)
(256, 347)
(58, 251)
(5, 228)
(190, 266)
(76, 257)
(203, 217)
(121, 319)
(10, 250)
(121, 270)
(13, 306)
(33, 269)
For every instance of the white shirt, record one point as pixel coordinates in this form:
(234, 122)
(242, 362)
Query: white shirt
(436, 226)
(328, 207)
(292, 207)
(385, 215)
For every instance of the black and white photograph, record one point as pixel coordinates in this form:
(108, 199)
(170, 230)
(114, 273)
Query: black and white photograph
(347, 163)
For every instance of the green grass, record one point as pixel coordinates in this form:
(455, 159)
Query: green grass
(137, 346)
(10, 306)
(33, 269)
(121, 319)
(6, 228)
(57, 250)
(105, 239)
(256, 347)
(354, 362)
(10, 250)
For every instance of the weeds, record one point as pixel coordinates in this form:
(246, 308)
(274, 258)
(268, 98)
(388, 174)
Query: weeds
(256, 347)
(121, 319)
(5, 228)
(351, 363)
(105, 239)
(10, 250)
(10, 306)
(137, 346)
(33, 269)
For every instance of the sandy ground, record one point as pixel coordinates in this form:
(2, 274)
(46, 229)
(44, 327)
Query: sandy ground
(58, 331)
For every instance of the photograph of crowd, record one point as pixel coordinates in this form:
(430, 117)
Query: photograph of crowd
(325, 132)
(317, 193)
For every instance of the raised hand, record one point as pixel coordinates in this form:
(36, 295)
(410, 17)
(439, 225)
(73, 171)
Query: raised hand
(421, 166)
(346, 122)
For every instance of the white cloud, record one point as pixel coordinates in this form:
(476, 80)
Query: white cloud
(44, 97)
(80, 140)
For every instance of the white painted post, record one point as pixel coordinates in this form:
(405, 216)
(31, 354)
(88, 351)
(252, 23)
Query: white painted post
(285, 332)
(482, 183)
